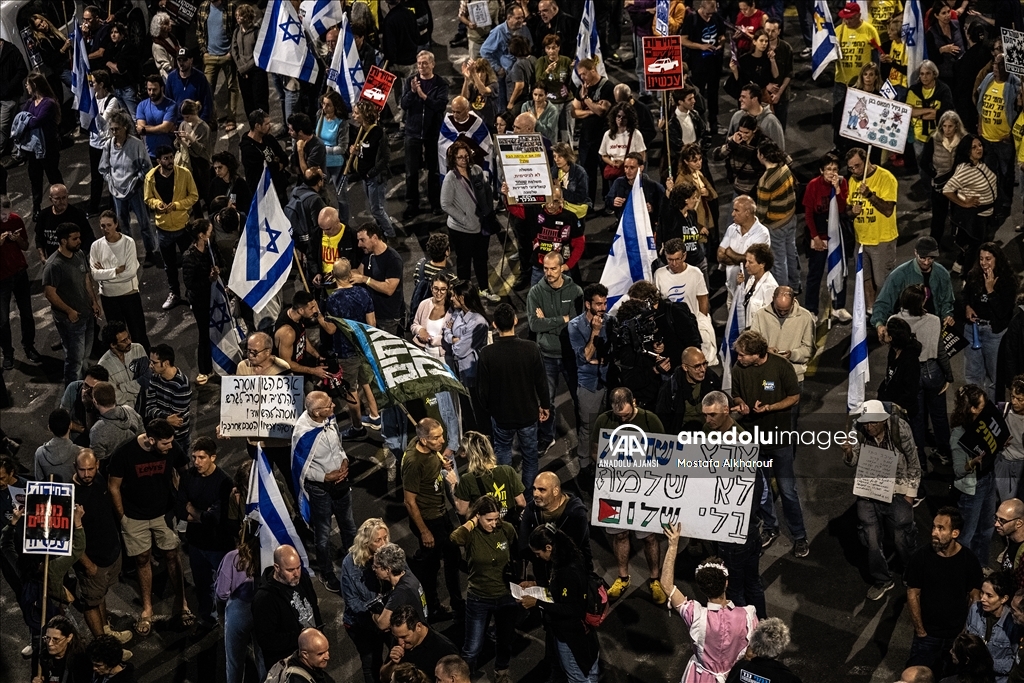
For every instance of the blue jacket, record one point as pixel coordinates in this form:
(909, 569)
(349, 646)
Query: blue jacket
(357, 588)
(25, 138)
(495, 48)
(1004, 639)
(195, 87)
(590, 375)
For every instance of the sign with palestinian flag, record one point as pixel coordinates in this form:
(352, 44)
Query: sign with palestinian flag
(608, 511)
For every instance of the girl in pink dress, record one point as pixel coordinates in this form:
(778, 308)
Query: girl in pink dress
(721, 631)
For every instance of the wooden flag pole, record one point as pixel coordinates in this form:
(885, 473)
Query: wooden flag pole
(668, 146)
(46, 585)
(302, 271)
(360, 136)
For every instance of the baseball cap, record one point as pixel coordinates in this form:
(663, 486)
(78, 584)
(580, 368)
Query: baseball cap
(185, 52)
(872, 411)
(927, 247)
(851, 9)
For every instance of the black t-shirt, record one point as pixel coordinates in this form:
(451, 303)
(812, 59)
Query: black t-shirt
(761, 670)
(430, 651)
(380, 268)
(102, 533)
(408, 592)
(945, 583)
(147, 491)
(708, 32)
(770, 382)
(46, 228)
(164, 186)
(592, 128)
(1010, 555)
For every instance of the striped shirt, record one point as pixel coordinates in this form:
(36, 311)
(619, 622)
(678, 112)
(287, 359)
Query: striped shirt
(975, 181)
(776, 197)
(170, 397)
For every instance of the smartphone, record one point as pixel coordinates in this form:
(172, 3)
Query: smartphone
(232, 198)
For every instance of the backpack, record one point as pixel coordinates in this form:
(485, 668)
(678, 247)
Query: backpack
(281, 672)
(596, 600)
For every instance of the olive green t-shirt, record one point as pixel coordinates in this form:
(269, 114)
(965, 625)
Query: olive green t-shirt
(487, 555)
(502, 483)
(423, 475)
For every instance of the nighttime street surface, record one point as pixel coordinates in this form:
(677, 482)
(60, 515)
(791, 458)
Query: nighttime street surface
(837, 634)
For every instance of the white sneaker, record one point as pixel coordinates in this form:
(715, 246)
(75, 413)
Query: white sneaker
(842, 315)
(202, 379)
(172, 301)
(486, 294)
(27, 652)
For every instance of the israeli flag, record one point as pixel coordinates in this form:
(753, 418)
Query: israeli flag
(263, 259)
(836, 277)
(588, 45)
(304, 441)
(322, 15)
(735, 323)
(860, 374)
(81, 88)
(633, 251)
(282, 46)
(266, 506)
(226, 336)
(824, 48)
(346, 72)
(913, 38)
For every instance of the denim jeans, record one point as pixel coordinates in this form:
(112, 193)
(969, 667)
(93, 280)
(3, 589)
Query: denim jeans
(572, 671)
(978, 511)
(930, 403)
(980, 364)
(289, 98)
(787, 263)
(170, 244)
(130, 97)
(321, 506)
(237, 636)
(1007, 474)
(19, 286)
(743, 562)
(77, 339)
(204, 564)
(527, 444)
(478, 615)
(553, 367)
(782, 458)
(134, 203)
(875, 521)
(375, 189)
(591, 405)
(931, 652)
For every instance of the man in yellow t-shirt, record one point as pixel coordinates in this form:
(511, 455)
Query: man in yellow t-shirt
(881, 11)
(872, 204)
(856, 39)
(997, 112)
(331, 235)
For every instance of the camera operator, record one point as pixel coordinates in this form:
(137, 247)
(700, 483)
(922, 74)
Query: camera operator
(637, 351)
(588, 336)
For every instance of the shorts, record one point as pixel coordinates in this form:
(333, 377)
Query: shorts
(140, 533)
(354, 371)
(640, 535)
(93, 589)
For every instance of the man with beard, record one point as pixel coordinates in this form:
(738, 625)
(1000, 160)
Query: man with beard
(284, 605)
(942, 579)
(679, 401)
(1010, 526)
(68, 286)
(922, 269)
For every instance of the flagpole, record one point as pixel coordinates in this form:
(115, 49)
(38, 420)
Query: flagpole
(46, 581)
(302, 272)
(359, 140)
(668, 146)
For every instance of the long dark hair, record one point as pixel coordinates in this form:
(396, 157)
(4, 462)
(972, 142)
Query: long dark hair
(973, 660)
(966, 397)
(963, 150)
(470, 296)
(1002, 271)
(630, 122)
(902, 338)
(66, 628)
(564, 552)
(42, 86)
(912, 300)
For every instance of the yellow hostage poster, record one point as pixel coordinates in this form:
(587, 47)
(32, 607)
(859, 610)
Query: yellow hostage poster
(524, 163)
(875, 121)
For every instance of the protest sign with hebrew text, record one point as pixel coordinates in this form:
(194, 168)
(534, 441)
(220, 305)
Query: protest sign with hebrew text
(49, 518)
(260, 406)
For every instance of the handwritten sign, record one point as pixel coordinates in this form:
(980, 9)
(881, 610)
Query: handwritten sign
(875, 121)
(876, 474)
(260, 406)
(1013, 50)
(524, 163)
(708, 488)
(377, 87)
(987, 435)
(663, 62)
(479, 13)
(49, 511)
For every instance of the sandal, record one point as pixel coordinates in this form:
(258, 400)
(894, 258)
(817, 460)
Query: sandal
(187, 619)
(143, 626)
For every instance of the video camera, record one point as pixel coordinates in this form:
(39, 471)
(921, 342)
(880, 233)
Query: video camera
(637, 334)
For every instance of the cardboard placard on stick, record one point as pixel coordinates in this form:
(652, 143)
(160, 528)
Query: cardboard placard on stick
(663, 62)
(873, 120)
(377, 87)
(49, 515)
(524, 162)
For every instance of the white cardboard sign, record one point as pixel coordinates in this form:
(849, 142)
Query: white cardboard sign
(876, 474)
(260, 406)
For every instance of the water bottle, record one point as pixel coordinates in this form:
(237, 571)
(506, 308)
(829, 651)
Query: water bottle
(976, 342)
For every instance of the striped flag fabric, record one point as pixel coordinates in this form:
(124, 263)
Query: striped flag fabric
(734, 324)
(588, 44)
(913, 38)
(266, 505)
(860, 374)
(478, 133)
(322, 15)
(835, 278)
(282, 46)
(346, 74)
(824, 48)
(304, 440)
(81, 88)
(226, 335)
(632, 251)
(263, 259)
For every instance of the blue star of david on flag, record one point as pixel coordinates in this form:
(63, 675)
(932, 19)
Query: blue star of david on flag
(286, 30)
(282, 46)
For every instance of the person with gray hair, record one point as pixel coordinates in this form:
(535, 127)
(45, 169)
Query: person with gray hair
(928, 109)
(391, 567)
(769, 640)
(124, 163)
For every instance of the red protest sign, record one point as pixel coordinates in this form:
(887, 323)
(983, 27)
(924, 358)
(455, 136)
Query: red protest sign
(377, 87)
(663, 62)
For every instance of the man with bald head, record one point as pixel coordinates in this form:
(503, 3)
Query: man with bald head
(525, 124)
(284, 606)
(918, 674)
(462, 123)
(1009, 524)
(60, 211)
(567, 512)
(309, 662)
(330, 241)
(424, 100)
(789, 330)
(745, 231)
(679, 401)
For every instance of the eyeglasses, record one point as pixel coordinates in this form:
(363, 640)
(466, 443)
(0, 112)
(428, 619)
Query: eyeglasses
(462, 157)
(439, 290)
(1000, 521)
(697, 366)
(254, 352)
(52, 639)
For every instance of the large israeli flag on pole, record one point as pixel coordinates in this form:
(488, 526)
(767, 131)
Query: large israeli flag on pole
(836, 277)
(282, 46)
(322, 15)
(226, 336)
(824, 48)
(734, 324)
(266, 505)
(913, 38)
(588, 44)
(860, 374)
(633, 251)
(81, 88)
(263, 259)
(346, 73)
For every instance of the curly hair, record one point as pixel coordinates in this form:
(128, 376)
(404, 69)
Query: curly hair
(770, 639)
(966, 397)
(247, 13)
(156, 22)
(630, 118)
(454, 149)
(710, 579)
(361, 553)
(1002, 271)
(762, 253)
(390, 557)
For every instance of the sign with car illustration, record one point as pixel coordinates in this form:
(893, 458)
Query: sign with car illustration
(377, 87)
(663, 63)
